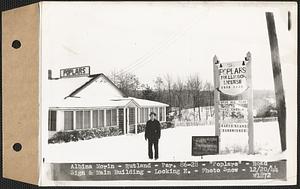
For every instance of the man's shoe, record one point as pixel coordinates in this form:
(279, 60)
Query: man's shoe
(156, 158)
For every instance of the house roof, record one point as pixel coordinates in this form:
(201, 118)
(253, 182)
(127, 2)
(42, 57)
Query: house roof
(62, 94)
(57, 90)
(74, 102)
(94, 77)
(145, 103)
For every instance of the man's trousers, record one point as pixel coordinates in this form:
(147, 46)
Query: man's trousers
(152, 143)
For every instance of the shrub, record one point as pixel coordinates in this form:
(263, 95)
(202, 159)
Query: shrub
(141, 128)
(168, 124)
(84, 134)
(164, 125)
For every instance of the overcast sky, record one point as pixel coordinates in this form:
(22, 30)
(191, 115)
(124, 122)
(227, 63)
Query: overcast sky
(153, 39)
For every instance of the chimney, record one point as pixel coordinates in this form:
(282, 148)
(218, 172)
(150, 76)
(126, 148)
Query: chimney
(49, 74)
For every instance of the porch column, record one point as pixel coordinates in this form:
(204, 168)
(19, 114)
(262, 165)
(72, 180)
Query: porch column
(135, 120)
(165, 113)
(60, 120)
(158, 114)
(104, 118)
(127, 122)
(91, 118)
(124, 121)
(74, 120)
(117, 117)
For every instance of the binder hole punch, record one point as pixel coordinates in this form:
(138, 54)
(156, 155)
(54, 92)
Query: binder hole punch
(16, 44)
(17, 147)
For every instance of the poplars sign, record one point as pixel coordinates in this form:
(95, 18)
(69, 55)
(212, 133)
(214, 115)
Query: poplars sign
(75, 72)
(233, 78)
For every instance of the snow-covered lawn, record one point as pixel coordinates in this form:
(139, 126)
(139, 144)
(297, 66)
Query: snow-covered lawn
(174, 145)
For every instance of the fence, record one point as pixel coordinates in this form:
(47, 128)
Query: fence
(186, 123)
(265, 119)
(194, 123)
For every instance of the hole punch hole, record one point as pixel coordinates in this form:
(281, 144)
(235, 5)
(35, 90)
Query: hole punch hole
(17, 147)
(16, 44)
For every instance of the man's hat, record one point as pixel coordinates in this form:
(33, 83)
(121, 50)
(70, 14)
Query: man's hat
(153, 113)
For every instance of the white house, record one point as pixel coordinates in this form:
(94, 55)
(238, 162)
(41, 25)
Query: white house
(94, 101)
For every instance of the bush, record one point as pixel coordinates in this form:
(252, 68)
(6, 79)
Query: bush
(84, 134)
(141, 128)
(164, 125)
(168, 124)
(267, 111)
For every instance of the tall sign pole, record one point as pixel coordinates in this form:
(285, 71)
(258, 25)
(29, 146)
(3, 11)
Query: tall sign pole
(216, 95)
(279, 92)
(250, 103)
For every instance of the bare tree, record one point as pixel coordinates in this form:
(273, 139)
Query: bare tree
(127, 82)
(178, 89)
(159, 87)
(168, 86)
(195, 86)
(209, 87)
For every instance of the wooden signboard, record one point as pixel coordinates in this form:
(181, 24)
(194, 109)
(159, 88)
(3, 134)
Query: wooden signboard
(75, 72)
(234, 117)
(205, 145)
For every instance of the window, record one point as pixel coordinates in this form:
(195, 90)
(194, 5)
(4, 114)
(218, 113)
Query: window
(79, 119)
(51, 120)
(160, 114)
(98, 118)
(87, 119)
(146, 114)
(164, 114)
(142, 115)
(68, 120)
(101, 118)
(83, 119)
(138, 117)
(111, 117)
(131, 116)
(95, 118)
(108, 117)
(151, 110)
(155, 110)
(114, 117)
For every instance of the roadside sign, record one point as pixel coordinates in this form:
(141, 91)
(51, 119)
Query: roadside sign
(205, 145)
(75, 72)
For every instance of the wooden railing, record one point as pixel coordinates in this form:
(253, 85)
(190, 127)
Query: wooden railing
(185, 123)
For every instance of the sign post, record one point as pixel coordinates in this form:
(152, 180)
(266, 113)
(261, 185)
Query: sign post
(216, 96)
(233, 102)
(250, 104)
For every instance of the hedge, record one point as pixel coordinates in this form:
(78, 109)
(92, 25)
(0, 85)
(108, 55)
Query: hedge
(84, 134)
(164, 125)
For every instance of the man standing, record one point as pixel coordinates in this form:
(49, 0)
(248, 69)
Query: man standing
(152, 133)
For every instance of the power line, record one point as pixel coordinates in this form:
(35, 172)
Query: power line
(164, 44)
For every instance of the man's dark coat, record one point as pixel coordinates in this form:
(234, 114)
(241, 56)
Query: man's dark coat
(152, 132)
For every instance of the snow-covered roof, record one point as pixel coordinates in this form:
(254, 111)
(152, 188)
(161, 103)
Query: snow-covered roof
(74, 102)
(145, 103)
(58, 89)
(91, 92)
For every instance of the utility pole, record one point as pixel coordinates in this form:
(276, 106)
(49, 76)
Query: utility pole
(277, 75)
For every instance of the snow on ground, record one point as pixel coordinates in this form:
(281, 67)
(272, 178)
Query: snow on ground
(174, 145)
